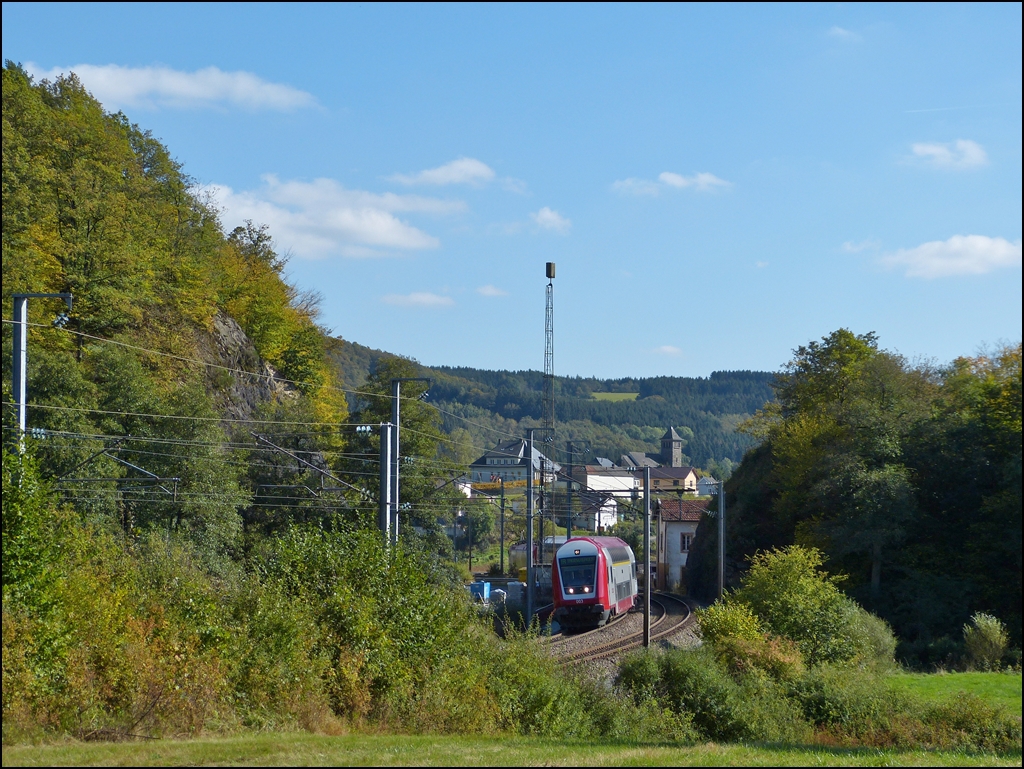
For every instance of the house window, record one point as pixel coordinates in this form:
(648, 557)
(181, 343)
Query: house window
(675, 483)
(684, 542)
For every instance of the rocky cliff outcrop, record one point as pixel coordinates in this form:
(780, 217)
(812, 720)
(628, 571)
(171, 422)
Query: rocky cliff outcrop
(240, 380)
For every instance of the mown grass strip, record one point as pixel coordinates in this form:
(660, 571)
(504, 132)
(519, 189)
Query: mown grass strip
(390, 750)
(615, 397)
(995, 688)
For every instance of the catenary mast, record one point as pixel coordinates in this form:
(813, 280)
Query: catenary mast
(549, 351)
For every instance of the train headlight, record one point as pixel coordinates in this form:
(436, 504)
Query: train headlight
(586, 590)
(569, 590)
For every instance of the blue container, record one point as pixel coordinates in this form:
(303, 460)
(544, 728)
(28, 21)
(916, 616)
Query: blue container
(481, 591)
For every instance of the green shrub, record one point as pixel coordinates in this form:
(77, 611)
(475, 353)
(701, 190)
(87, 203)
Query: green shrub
(640, 675)
(276, 672)
(626, 720)
(968, 722)
(850, 701)
(873, 640)
(776, 658)
(793, 598)
(985, 640)
(728, 619)
(532, 694)
(693, 683)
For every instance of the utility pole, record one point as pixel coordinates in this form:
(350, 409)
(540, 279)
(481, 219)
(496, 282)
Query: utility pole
(529, 527)
(502, 554)
(20, 367)
(384, 514)
(721, 539)
(540, 517)
(568, 491)
(396, 410)
(647, 557)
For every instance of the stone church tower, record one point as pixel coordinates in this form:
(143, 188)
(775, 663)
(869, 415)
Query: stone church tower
(671, 449)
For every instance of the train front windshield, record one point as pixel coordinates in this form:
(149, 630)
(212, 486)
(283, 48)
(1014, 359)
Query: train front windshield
(578, 574)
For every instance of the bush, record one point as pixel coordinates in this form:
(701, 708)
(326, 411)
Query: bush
(850, 701)
(985, 640)
(628, 720)
(728, 619)
(692, 682)
(777, 658)
(873, 640)
(967, 722)
(793, 598)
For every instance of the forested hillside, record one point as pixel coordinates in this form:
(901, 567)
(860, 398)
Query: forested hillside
(480, 406)
(908, 477)
(190, 450)
(181, 334)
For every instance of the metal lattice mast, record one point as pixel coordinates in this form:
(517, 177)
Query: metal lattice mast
(549, 350)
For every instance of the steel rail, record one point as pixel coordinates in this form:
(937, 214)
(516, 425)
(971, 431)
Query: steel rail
(634, 640)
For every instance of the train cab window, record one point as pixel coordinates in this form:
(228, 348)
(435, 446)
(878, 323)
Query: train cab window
(577, 574)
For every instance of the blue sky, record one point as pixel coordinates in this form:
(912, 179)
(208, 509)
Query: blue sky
(717, 184)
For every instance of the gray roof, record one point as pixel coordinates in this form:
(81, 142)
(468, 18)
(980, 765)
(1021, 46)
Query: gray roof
(671, 473)
(516, 449)
(637, 459)
(671, 435)
(603, 462)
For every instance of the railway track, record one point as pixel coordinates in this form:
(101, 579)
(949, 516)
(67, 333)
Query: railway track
(561, 639)
(669, 615)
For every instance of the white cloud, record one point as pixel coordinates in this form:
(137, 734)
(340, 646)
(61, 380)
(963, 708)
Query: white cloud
(958, 155)
(490, 290)
(702, 181)
(321, 218)
(760, 265)
(844, 34)
(551, 220)
(960, 255)
(855, 248)
(512, 184)
(117, 87)
(461, 171)
(668, 349)
(633, 186)
(418, 299)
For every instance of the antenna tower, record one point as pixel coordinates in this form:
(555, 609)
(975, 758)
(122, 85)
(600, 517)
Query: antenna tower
(549, 349)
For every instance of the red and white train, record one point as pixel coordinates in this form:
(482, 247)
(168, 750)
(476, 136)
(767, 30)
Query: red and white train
(595, 579)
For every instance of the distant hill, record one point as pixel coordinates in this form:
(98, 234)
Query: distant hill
(482, 406)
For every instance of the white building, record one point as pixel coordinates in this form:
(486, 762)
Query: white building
(617, 481)
(507, 462)
(707, 487)
(677, 527)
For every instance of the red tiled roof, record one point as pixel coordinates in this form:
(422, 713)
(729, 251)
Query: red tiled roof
(683, 509)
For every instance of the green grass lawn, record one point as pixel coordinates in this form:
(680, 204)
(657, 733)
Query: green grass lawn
(356, 750)
(615, 397)
(995, 688)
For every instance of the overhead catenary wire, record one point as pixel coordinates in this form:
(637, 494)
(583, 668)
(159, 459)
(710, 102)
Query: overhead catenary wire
(268, 376)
